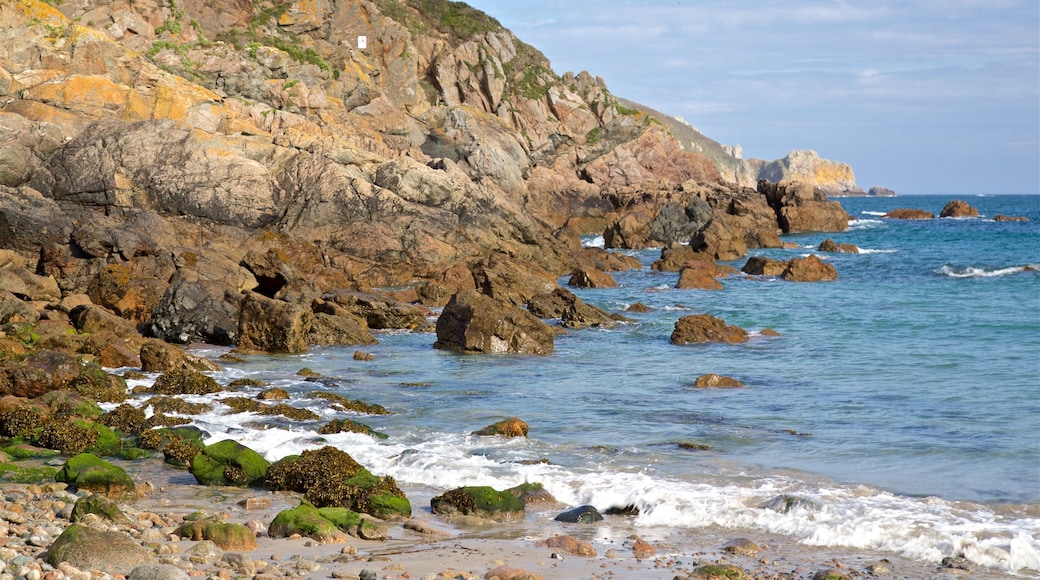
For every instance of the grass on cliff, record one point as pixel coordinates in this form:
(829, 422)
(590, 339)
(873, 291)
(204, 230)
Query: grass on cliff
(459, 21)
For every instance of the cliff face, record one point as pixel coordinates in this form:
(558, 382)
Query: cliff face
(832, 177)
(438, 137)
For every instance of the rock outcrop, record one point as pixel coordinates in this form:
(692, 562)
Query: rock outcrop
(909, 214)
(958, 209)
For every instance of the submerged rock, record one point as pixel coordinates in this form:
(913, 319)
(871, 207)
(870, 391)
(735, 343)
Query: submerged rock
(909, 214)
(829, 245)
(511, 427)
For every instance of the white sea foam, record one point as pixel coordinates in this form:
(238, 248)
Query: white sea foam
(971, 272)
(864, 224)
(594, 242)
(859, 517)
(874, 251)
(877, 213)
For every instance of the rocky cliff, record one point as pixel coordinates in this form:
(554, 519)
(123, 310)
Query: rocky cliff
(157, 149)
(806, 166)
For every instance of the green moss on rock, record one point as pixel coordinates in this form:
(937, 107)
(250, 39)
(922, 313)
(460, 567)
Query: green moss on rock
(330, 477)
(230, 537)
(481, 501)
(306, 520)
(352, 405)
(88, 472)
(349, 426)
(185, 382)
(229, 463)
(23, 474)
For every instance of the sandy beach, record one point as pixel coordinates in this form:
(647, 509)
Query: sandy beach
(428, 547)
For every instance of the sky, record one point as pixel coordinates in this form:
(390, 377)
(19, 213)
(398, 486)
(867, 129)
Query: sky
(920, 96)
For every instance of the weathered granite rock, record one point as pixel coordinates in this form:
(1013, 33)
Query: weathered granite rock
(89, 549)
(157, 572)
(698, 328)
(377, 312)
(909, 214)
(958, 209)
(270, 325)
(475, 323)
(330, 329)
(831, 177)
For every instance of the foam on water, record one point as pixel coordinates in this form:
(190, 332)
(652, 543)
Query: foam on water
(972, 272)
(593, 242)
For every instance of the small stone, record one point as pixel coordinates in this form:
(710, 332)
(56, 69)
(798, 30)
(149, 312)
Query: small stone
(367, 574)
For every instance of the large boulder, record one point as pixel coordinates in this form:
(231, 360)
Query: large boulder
(230, 537)
(831, 246)
(325, 525)
(763, 266)
(376, 311)
(475, 323)
(698, 275)
(698, 328)
(270, 325)
(88, 549)
(591, 278)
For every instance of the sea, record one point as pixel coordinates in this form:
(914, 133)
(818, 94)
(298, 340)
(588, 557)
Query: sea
(898, 409)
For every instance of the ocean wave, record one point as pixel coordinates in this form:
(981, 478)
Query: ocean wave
(972, 272)
(864, 224)
(593, 242)
(873, 251)
(877, 213)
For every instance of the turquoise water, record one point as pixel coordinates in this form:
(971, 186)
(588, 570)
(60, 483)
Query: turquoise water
(903, 398)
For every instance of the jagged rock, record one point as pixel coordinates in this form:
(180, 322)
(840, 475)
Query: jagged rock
(197, 311)
(270, 325)
(800, 207)
(29, 286)
(909, 214)
(958, 209)
(600, 259)
(331, 329)
(878, 191)
(697, 328)
(475, 323)
(809, 269)
(673, 258)
(158, 356)
(508, 280)
(806, 166)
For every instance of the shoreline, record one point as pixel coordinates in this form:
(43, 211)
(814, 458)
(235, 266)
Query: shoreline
(465, 549)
